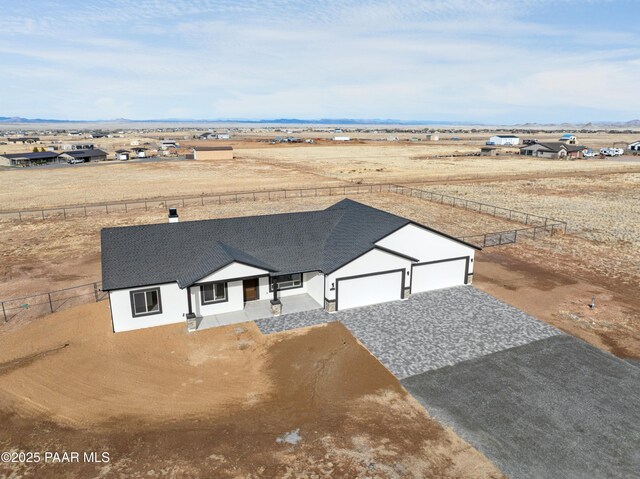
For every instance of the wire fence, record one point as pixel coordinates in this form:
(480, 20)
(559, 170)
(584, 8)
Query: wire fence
(37, 305)
(34, 306)
(537, 225)
(63, 212)
(124, 206)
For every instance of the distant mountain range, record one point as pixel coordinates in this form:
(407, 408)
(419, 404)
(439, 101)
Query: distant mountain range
(284, 121)
(328, 121)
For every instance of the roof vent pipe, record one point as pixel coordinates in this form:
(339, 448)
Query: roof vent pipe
(173, 215)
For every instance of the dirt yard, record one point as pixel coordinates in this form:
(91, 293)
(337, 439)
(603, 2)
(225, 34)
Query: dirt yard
(71, 254)
(223, 402)
(403, 163)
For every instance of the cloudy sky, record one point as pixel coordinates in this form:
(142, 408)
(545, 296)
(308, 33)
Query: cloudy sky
(501, 61)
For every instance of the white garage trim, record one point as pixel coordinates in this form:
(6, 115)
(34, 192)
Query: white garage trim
(400, 289)
(465, 278)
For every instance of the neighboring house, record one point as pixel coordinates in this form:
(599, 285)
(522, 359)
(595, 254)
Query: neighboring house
(140, 152)
(553, 150)
(213, 153)
(341, 138)
(568, 138)
(24, 140)
(78, 146)
(503, 140)
(635, 146)
(433, 137)
(29, 159)
(84, 155)
(488, 151)
(345, 256)
(122, 155)
(166, 144)
(208, 136)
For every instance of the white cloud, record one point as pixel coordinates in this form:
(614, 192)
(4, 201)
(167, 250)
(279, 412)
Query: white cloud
(429, 59)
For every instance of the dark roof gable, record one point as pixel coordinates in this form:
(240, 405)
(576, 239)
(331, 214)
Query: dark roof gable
(188, 251)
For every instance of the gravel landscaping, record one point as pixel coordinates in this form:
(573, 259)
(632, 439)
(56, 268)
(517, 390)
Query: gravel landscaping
(429, 330)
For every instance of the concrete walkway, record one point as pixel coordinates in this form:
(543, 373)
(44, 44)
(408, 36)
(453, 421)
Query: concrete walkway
(255, 310)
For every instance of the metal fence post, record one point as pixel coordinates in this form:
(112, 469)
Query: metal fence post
(95, 291)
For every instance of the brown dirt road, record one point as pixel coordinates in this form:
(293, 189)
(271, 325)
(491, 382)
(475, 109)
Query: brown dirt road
(165, 403)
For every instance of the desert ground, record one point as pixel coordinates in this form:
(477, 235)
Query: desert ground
(57, 372)
(227, 402)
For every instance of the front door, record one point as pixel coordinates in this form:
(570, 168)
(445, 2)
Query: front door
(250, 288)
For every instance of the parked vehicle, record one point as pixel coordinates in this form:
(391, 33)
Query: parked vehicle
(490, 143)
(611, 151)
(74, 161)
(589, 153)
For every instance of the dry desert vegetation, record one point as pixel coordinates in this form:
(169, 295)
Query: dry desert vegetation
(229, 401)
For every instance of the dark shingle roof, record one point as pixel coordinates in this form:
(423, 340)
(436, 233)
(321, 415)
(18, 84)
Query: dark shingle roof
(38, 155)
(213, 148)
(284, 243)
(556, 146)
(85, 153)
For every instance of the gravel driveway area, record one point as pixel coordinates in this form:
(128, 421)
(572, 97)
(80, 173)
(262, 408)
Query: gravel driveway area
(554, 408)
(429, 330)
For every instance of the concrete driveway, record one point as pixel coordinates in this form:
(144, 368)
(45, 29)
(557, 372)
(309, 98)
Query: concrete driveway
(554, 408)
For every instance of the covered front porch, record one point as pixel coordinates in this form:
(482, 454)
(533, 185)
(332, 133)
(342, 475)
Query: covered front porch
(258, 309)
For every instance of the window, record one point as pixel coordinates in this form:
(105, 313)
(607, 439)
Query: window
(213, 292)
(287, 281)
(146, 302)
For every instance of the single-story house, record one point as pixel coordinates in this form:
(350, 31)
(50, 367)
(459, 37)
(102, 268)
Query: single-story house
(553, 150)
(433, 137)
(488, 151)
(140, 151)
(635, 146)
(78, 146)
(29, 159)
(24, 139)
(213, 153)
(208, 136)
(84, 155)
(346, 256)
(503, 140)
(568, 138)
(122, 155)
(165, 144)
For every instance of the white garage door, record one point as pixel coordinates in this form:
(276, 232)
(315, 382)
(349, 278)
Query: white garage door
(370, 289)
(439, 275)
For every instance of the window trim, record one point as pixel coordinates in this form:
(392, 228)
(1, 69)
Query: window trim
(289, 287)
(148, 313)
(216, 301)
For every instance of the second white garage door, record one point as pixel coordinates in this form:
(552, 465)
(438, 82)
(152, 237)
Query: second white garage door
(376, 288)
(442, 274)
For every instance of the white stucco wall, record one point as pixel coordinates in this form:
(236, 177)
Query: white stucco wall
(233, 271)
(425, 245)
(173, 301)
(235, 300)
(314, 282)
(372, 262)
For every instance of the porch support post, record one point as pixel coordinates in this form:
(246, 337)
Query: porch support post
(191, 317)
(276, 305)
